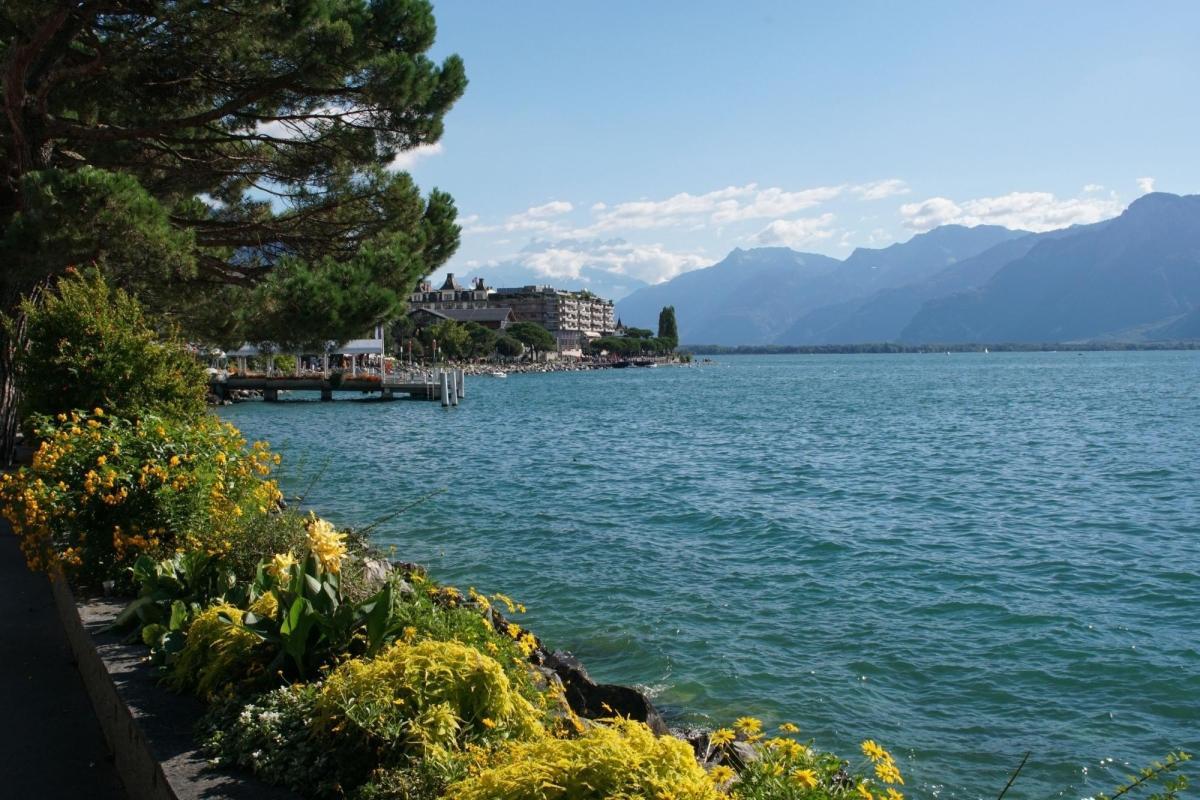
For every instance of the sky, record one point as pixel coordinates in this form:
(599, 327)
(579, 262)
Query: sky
(647, 139)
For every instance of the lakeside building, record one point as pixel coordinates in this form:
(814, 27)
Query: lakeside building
(450, 295)
(573, 318)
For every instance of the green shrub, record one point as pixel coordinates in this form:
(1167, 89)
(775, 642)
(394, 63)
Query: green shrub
(429, 698)
(91, 346)
(102, 490)
(273, 736)
(622, 760)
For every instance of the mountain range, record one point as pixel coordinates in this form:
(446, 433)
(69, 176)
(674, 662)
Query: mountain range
(1135, 277)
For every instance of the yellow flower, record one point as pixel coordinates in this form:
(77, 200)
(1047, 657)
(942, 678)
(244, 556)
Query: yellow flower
(527, 644)
(873, 751)
(748, 725)
(805, 777)
(721, 775)
(721, 736)
(410, 633)
(487, 722)
(101, 460)
(281, 564)
(892, 794)
(789, 727)
(174, 462)
(886, 771)
(99, 412)
(864, 792)
(326, 543)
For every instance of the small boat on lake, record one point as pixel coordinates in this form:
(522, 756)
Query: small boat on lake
(498, 374)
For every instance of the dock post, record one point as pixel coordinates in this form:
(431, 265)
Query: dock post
(462, 383)
(271, 395)
(445, 389)
(326, 395)
(453, 389)
(387, 394)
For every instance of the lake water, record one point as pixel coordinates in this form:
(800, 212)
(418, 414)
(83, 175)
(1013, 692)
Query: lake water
(964, 557)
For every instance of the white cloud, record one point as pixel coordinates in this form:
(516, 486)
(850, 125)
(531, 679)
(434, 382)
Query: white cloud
(1031, 211)
(796, 232)
(879, 190)
(775, 202)
(719, 207)
(409, 158)
(1093, 187)
(552, 209)
(537, 219)
(929, 213)
(1145, 185)
(652, 263)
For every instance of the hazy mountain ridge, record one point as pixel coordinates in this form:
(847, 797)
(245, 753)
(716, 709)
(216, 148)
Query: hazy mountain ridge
(1131, 278)
(755, 296)
(1135, 277)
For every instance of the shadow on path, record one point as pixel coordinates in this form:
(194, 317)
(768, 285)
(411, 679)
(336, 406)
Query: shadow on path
(51, 742)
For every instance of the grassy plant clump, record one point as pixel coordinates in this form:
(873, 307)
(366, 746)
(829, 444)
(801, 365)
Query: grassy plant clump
(218, 653)
(429, 699)
(623, 759)
(103, 490)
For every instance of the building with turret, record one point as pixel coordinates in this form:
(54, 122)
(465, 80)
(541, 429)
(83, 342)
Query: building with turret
(450, 295)
(573, 318)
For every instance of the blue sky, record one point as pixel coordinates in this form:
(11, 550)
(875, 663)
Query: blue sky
(649, 138)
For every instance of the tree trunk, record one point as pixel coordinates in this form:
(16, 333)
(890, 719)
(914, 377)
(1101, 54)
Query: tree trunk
(10, 396)
(13, 329)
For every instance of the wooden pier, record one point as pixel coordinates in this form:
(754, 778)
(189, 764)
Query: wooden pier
(428, 386)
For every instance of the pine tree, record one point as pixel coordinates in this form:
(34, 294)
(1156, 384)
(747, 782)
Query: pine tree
(229, 161)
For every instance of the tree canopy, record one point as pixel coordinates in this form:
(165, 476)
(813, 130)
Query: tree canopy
(232, 162)
(533, 336)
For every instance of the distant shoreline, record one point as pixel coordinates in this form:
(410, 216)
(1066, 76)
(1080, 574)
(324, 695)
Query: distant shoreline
(886, 347)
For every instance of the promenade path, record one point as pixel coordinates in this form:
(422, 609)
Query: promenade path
(50, 741)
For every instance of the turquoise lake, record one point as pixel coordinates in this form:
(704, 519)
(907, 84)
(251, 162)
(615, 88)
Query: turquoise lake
(964, 557)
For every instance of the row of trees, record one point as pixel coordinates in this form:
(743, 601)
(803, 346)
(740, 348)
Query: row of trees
(228, 162)
(642, 341)
(467, 340)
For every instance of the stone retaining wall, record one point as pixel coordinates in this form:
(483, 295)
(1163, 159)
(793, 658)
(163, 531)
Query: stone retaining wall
(149, 729)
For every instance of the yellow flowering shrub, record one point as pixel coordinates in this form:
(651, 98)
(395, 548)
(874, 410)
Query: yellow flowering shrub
(101, 490)
(623, 759)
(429, 698)
(218, 654)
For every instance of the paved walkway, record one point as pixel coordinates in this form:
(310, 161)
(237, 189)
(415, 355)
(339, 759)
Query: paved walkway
(50, 740)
